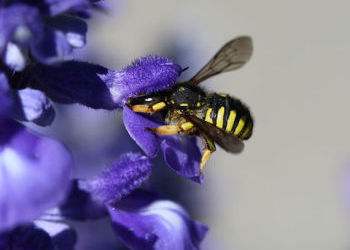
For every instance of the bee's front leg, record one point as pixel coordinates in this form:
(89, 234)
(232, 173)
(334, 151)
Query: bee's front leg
(209, 149)
(183, 128)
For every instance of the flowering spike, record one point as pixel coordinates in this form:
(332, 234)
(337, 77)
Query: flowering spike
(121, 178)
(146, 75)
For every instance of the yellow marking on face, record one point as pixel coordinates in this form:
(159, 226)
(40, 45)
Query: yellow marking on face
(207, 116)
(181, 88)
(198, 104)
(184, 104)
(231, 120)
(179, 112)
(247, 131)
(223, 95)
(158, 106)
(220, 117)
(239, 126)
(186, 126)
(172, 101)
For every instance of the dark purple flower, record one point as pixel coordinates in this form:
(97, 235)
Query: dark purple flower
(63, 237)
(97, 87)
(32, 32)
(34, 174)
(6, 100)
(39, 236)
(32, 105)
(25, 104)
(70, 82)
(81, 205)
(160, 224)
(141, 219)
(87, 198)
(49, 30)
(53, 7)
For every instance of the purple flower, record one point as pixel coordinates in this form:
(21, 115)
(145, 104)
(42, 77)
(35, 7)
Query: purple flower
(36, 38)
(141, 219)
(32, 105)
(97, 87)
(34, 174)
(49, 30)
(25, 104)
(161, 224)
(70, 82)
(88, 197)
(33, 32)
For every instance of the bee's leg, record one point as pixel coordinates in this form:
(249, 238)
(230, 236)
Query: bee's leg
(183, 128)
(149, 109)
(209, 149)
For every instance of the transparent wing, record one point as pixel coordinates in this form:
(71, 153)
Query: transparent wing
(228, 142)
(231, 56)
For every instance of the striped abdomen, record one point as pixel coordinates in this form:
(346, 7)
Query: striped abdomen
(230, 115)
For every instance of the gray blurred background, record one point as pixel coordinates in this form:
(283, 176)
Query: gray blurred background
(288, 189)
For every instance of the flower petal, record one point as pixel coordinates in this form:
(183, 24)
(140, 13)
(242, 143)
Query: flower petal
(53, 47)
(80, 205)
(74, 29)
(39, 236)
(32, 105)
(6, 100)
(162, 224)
(19, 23)
(63, 237)
(27, 237)
(124, 176)
(72, 82)
(34, 176)
(14, 57)
(182, 155)
(146, 75)
(135, 124)
(58, 7)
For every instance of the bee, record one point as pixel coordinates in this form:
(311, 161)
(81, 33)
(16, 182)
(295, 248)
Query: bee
(188, 109)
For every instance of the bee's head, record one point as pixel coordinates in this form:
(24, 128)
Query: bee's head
(187, 97)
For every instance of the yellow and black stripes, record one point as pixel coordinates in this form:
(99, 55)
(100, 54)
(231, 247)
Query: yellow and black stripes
(209, 115)
(230, 115)
(221, 110)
